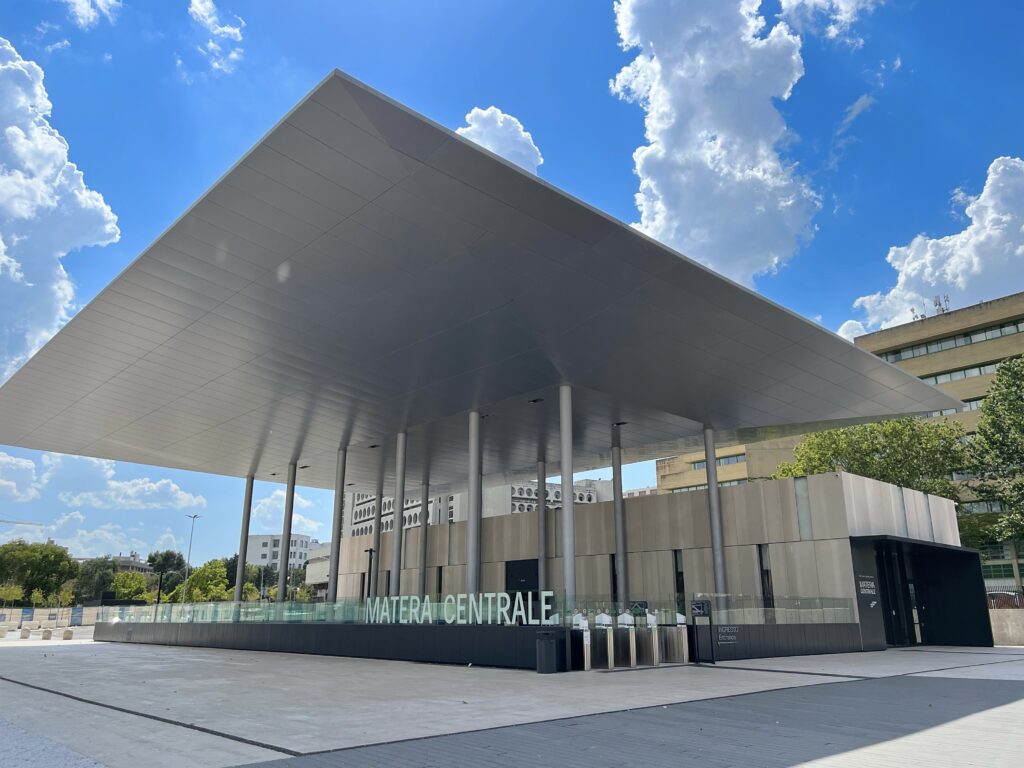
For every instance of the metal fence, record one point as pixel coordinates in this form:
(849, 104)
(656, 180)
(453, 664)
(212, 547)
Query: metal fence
(1005, 598)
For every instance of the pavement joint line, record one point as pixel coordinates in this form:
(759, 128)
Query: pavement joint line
(1019, 653)
(835, 675)
(158, 718)
(961, 666)
(837, 680)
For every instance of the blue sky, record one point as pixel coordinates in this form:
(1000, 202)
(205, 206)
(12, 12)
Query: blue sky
(825, 152)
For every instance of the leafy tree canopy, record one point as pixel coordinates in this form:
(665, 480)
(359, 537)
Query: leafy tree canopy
(913, 453)
(129, 585)
(207, 583)
(166, 561)
(42, 568)
(95, 577)
(998, 448)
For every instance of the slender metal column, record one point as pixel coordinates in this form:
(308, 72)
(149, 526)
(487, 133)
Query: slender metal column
(475, 504)
(424, 522)
(568, 497)
(398, 518)
(375, 547)
(619, 511)
(542, 526)
(243, 542)
(715, 511)
(339, 511)
(286, 537)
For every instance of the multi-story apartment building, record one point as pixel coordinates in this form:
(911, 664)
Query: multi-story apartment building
(955, 350)
(504, 499)
(265, 549)
(736, 465)
(958, 351)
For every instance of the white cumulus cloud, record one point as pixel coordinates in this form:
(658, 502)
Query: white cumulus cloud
(838, 15)
(18, 479)
(86, 13)
(269, 512)
(95, 485)
(219, 49)
(69, 530)
(503, 135)
(713, 183)
(983, 261)
(46, 211)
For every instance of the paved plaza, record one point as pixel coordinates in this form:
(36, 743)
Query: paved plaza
(82, 704)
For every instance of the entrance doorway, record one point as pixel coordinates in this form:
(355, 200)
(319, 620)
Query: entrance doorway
(929, 594)
(523, 576)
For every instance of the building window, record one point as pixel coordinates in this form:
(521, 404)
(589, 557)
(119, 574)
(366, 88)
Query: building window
(263, 556)
(721, 462)
(960, 374)
(979, 507)
(266, 543)
(997, 571)
(949, 342)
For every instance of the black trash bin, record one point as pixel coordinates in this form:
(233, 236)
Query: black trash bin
(547, 652)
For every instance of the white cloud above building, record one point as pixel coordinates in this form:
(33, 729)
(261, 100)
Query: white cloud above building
(983, 261)
(502, 134)
(46, 212)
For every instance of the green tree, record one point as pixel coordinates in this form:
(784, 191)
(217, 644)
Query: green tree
(231, 568)
(94, 578)
(42, 568)
(207, 583)
(250, 593)
(998, 448)
(11, 593)
(169, 567)
(12, 557)
(913, 453)
(129, 585)
(978, 530)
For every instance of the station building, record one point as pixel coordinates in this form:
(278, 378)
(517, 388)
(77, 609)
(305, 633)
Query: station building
(242, 342)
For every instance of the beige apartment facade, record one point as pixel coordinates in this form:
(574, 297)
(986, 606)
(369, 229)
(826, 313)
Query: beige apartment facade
(958, 351)
(955, 350)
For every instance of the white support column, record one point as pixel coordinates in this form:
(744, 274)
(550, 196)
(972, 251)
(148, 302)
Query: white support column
(286, 537)
(542, 526)
(243, 542)
(424, 522)
(398, 518)
(339, 511)
(568, 498)
(715, 511)
(375, 546)
(619, 513)
(475, 506)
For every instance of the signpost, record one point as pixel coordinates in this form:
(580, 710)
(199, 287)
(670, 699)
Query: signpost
(701, 609)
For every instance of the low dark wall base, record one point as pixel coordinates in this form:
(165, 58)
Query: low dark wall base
(759, 641)
(486, 646)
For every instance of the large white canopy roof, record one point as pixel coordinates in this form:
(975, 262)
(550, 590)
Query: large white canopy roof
(363, 271)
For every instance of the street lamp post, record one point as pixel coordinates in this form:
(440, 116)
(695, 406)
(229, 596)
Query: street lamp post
(188, 559)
